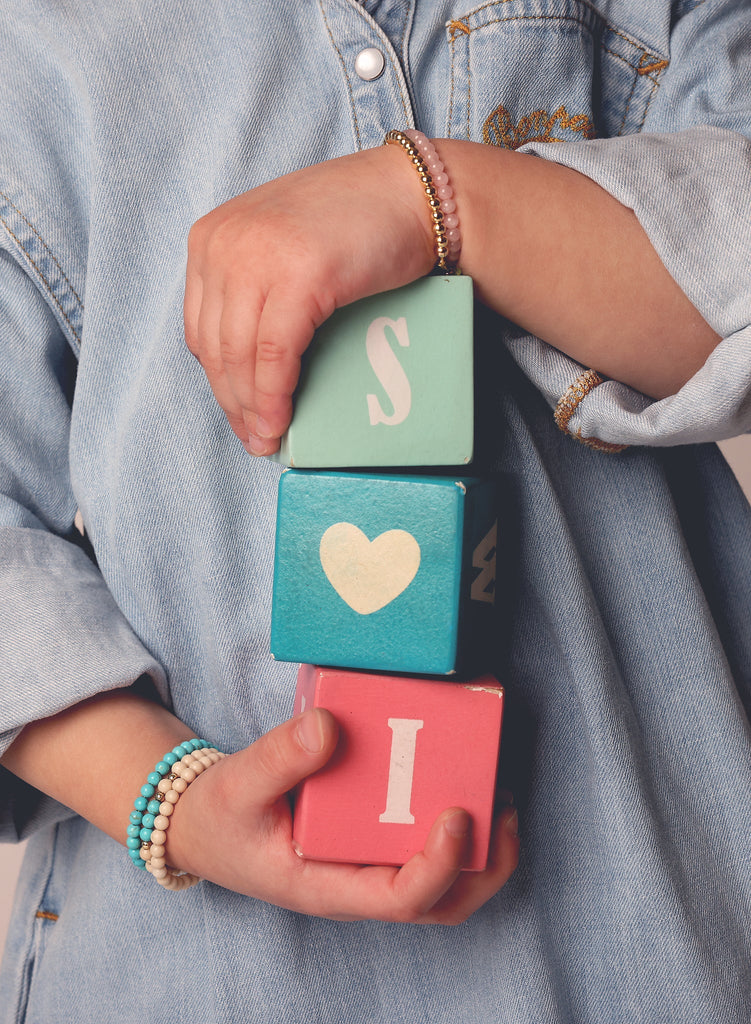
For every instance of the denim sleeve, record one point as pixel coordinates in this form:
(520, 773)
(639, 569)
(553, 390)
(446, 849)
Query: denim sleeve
(63, 637)
(687, 177)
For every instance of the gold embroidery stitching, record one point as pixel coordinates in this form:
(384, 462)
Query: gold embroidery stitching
(659, 65)
(459, 26)
(499, 129)
(46, 915)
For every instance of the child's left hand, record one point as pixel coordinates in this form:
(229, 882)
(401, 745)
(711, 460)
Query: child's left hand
(268, 267)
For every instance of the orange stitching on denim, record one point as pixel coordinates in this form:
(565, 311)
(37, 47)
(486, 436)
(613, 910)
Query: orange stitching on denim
(44, 280)
(637, 67)
(453, 83)
(659, 65)
(535, 127)
(618, 56)
(47, 915)
(458, 26)
(535, 17)
(26, 221)
(631, 40)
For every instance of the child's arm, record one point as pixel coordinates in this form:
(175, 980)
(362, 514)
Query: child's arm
(546, 246)
(233, 824)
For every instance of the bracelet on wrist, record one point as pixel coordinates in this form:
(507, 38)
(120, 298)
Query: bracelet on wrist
(438, 192)
(569, 403)
(153, 807)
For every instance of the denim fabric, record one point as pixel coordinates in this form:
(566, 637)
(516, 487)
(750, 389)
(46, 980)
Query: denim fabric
(622, 631)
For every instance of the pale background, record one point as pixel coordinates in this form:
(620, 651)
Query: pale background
(738, 454)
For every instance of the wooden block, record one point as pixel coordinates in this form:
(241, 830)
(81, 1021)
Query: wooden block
(408, 749)
(394, 573)
(388, 381)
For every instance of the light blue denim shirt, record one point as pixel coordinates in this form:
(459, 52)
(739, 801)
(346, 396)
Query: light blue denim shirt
(623, 633)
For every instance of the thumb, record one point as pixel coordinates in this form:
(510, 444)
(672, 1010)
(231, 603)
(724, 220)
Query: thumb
(285, 756)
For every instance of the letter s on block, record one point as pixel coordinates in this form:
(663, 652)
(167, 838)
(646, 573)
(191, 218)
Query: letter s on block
(389, 370)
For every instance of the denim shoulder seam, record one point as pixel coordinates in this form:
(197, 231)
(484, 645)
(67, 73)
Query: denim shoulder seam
(29, 244)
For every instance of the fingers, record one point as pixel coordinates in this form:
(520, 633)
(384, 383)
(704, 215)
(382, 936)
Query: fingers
(429, 875)
(473, 889)
(430, 888)
(250, 351)
(348, 892)
(285, 330)
(266, 268)
(276, 762)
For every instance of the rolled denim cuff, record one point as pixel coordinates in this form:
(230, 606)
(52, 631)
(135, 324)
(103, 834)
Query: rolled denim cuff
(690, 192)
(64, 639)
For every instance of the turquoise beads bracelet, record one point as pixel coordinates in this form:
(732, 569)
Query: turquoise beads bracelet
(152, 808)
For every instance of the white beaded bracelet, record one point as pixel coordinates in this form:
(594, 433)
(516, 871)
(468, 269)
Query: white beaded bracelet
(171, 788)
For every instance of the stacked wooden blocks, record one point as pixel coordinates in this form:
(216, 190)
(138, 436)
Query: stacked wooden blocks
(383, 574)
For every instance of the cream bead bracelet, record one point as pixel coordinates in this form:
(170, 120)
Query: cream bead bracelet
(153, 808)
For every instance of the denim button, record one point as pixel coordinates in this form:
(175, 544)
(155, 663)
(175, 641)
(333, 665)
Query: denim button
(369, 64)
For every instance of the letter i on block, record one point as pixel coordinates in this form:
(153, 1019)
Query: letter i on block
(393, 573)
(388, 381)
(408, 749)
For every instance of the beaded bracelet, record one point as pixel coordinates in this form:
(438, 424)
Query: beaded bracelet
(439, 193)
(149, 819)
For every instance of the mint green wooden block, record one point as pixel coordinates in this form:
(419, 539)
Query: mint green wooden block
(388, 381)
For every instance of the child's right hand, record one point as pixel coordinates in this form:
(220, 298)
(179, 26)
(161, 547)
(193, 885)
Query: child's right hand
(268, 267)
(233, 826)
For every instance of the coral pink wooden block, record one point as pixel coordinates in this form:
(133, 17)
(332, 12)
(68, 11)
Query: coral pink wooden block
(408, 749)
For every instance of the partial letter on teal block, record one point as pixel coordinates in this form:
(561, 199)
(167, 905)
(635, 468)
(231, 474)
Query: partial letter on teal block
(388, 381)
(392, 573)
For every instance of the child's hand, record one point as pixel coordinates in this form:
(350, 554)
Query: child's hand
(233, 826)
(268, 267)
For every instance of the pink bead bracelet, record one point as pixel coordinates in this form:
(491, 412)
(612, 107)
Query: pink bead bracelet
(439, 193)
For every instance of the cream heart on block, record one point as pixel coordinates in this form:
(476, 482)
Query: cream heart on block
(368, 574)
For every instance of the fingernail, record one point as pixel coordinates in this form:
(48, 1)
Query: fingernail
(263, 429)
(310, 732)
(458, 825)
(256, 445)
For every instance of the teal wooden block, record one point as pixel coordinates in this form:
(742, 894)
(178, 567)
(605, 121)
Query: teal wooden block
(388, 381)
(392, 573)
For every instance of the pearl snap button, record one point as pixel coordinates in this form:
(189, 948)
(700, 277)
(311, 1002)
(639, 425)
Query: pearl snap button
(369, 64)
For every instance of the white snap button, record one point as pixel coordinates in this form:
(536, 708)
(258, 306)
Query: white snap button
(369, 64)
